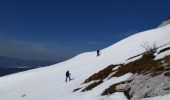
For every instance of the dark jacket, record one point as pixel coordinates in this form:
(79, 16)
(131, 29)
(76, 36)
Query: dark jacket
(67, 74)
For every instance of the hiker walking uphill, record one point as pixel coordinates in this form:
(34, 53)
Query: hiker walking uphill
(98, 52)
(68, 76)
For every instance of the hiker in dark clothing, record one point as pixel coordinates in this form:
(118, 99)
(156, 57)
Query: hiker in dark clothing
(68, 75)
(98, 52)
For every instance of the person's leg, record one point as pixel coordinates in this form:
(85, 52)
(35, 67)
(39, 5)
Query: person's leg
(69, 78)
(66, 78)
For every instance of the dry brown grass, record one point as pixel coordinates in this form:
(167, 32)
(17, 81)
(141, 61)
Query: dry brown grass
(112, 89)
(76, 89)
(163, 50)
(166, 59)
(98, 76)
(91, 86)
(142, 65)
(133, 57)
(101, 74)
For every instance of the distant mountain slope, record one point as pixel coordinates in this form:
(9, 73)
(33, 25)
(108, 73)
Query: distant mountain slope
(9, 62)
(7, 71)
(9, 65)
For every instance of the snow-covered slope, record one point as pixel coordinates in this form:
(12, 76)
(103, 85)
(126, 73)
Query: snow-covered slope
(48, 83)
(164, 23)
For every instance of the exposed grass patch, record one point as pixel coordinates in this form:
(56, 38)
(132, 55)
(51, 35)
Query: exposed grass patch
(163, 50)
(91, 86)
(142, 65)
(76, 89)
(166, 59)
(133, 57)
(112, 89)
(101, 74)
(98, 76)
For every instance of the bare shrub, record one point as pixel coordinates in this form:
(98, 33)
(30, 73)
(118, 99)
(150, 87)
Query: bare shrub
(149, 48)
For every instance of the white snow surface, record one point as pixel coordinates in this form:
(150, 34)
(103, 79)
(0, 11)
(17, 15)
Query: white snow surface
(48, 83)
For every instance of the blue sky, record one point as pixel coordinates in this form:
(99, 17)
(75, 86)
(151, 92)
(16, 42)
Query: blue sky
(60, 29)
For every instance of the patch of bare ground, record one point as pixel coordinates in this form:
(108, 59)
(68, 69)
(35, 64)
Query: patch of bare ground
(142, 65)
(133, 57)
(76, 89)
(101, 74)
(91, 86)
(167, 69)
(166, 59)
(112, 89)
(163, 50)
(98, 76)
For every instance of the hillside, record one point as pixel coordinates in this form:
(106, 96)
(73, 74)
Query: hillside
(116, 74)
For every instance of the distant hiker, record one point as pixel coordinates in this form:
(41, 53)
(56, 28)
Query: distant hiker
(98, 52)
(68, 76)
